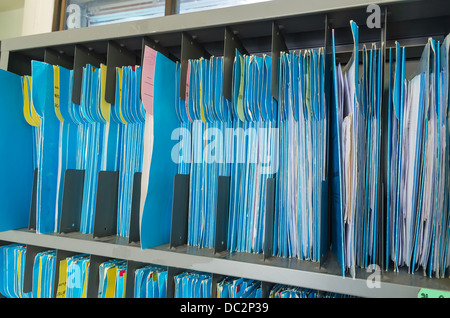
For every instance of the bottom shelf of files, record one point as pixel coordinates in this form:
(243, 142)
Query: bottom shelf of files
(76, 265)
(80, 275)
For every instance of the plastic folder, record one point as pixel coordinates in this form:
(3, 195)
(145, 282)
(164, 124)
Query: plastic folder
(158, 170)
(48, 159)
(17, 165)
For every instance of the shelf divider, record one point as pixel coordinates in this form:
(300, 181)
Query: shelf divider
(117, 56)
(269, 218)
(190, 49)
(105, 219)
(72, 201)
(278, 46)
(231, 44)
(82, 57)
(222, 213)
(134, 234)
(180, 211)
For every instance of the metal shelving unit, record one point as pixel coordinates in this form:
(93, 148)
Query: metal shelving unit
(303, 25)
(273, 270)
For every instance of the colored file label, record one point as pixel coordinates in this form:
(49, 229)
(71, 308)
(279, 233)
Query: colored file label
(148, 79)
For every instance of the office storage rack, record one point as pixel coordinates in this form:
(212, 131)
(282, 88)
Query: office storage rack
(262, 28)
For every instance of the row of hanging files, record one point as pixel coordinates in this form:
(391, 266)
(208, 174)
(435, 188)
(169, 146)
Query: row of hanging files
(70, 279)
(304, 169)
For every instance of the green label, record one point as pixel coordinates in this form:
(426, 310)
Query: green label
(432, 293)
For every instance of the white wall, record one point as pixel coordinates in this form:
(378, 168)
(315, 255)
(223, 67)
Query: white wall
(38, 16)
(11, 23)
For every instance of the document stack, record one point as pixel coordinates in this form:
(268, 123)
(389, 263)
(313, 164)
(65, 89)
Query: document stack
(150, 282)
(418, 161)
(255, 157)
(112, 278)
(193, 285)
(301, 215)
(238, 288)
(356, 145)
(12, 263)
(207, 120)
(282, 291)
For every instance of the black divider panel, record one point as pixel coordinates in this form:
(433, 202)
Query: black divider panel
(232, 43)
(216, 279)
(105, 219)
(55, 58)
(32, 220)
(180, 211)
(171, 273)
(32, 251)
(72, 201)
(190, 49)
(19, 63)
(131, 275)
(278, 46)
(83, 57)
(117, 56)
(134, 234)
(269, 217)
(222, 212)
(265, 289)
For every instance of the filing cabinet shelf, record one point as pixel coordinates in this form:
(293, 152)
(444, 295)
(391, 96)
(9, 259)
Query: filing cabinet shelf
(302, 24)
(273, 270)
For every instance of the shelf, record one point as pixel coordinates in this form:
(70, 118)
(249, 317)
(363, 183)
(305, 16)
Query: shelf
(273, 270)
(303, 25)
(188, 21)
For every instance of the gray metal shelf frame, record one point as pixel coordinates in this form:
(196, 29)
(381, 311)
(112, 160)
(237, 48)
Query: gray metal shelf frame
(302, 24)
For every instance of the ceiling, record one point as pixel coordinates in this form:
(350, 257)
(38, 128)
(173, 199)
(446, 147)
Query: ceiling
(6, 5)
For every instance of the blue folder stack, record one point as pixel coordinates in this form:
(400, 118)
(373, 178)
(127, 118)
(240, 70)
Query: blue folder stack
(150, 282)
(193, 285)
(355, 141)
(302, 180)
(238, 288)
(12, 263)
(282, 291)
(255, 156)
(418, 165)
